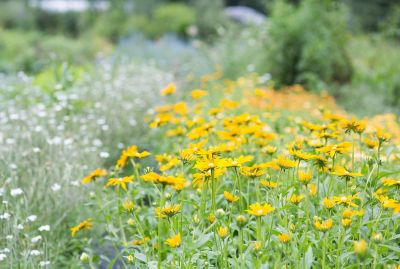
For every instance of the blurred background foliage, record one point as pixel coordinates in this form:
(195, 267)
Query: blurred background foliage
(349, 47)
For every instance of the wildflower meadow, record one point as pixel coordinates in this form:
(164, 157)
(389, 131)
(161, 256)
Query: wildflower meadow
(238, 181)
(197, 134)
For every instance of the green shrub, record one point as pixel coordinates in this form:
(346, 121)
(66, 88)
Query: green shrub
(173, 18)
(32, 51)
(307, 44)
(209, 17)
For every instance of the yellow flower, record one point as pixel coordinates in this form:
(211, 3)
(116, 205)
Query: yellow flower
(257, 245)
(253, 171)
(305, 177)
(334, 149)
(86, 224)
(170, 89)
(269, 184)
(285, 163)
(269, 149)
(238, 162)
(371, 143)
(130, 222)
(299, 155)
(328, 203)
(377, 237)
(222, 231)
(346, 200)
(312, 188)
(197, 94)
(382, 136)
(360, 247)
(211, 218)
(348, 213)
(209, 163)
(119, 181)
(128, 206)
(133, 152)
(343, 172)
(346, 222)
(174, 241)
(353, 125)
(284, 238)
(130, 258)
(295, 199)
(168, 211)
(323, 225)
(259, 210)
(388, 182)
(138, 242)
(96, 173)
(230, 197)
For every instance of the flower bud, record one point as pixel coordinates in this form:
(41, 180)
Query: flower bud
(241, 220)
(85, 258)
(220, 212)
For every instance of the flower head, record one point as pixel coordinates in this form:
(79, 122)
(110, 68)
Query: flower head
(323, 225)
(259, 210)
(120, 182)
(230, 197)
(174, 241)
(284, 238)
(86, 224)
(222, 231)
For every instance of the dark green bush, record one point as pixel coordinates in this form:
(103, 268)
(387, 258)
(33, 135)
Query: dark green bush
(174, 17)
(307, 44)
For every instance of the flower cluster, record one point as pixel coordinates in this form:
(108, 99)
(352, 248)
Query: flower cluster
(251, 183)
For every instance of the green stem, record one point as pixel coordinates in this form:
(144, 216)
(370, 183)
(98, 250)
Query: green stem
(159, 230)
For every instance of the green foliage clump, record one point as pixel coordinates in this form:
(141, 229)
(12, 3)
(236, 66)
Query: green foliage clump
(209, 17)
(32, 51)
(307, 44)
(172, 17)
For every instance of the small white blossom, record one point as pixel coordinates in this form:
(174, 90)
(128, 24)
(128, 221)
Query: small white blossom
(9, 237)
(104, 154)
(6, 215)
(56, 187)
(36, 239)
(20, 227)
(16, 192)
(35, 252)
(31, 218)
(44, 263)
(75, 183)
(44, 228)
(2, 256)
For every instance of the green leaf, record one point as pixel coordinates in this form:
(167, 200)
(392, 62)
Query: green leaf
(309, 258)
(141, 257)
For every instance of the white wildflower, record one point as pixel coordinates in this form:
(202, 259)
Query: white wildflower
(44, 228)
(56, 187)
(36, 239)
(35, 252)
(31, 218)
(16, 192)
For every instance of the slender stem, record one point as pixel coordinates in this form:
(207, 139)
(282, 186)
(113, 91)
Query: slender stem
(259, 229)
(159, 230)
(239, 184)
(213, 191)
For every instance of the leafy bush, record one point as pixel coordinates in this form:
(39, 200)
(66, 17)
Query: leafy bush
(209, 17)
(307, 44)
(32, 51)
